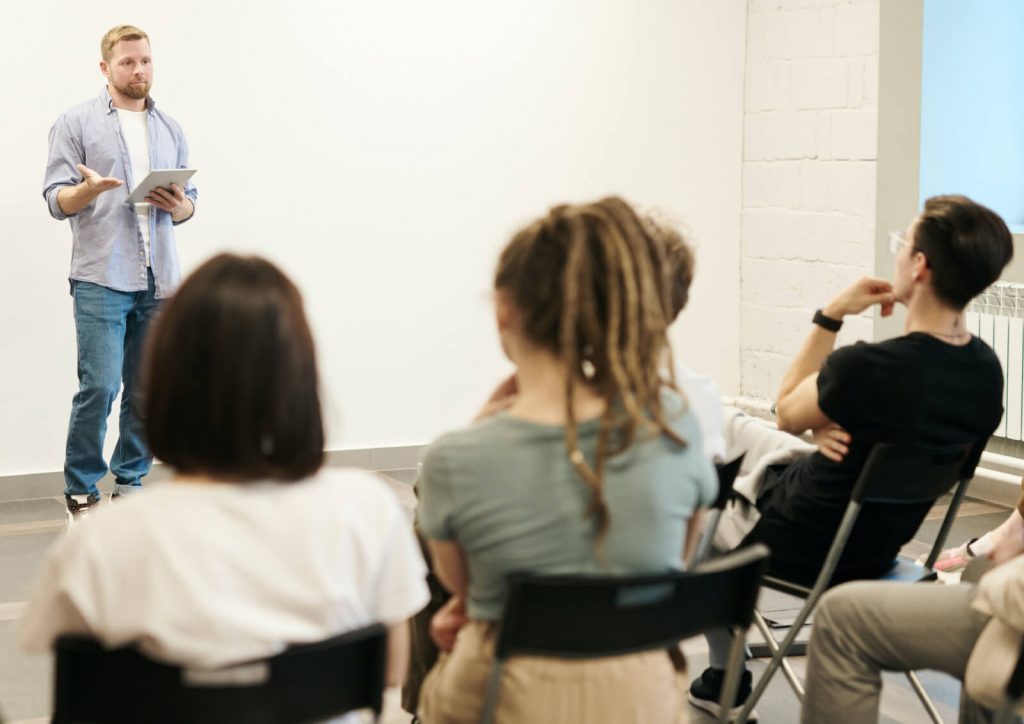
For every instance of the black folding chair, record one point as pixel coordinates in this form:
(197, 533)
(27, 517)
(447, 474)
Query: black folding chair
(587, 617)
(1014, 693)
(727, 473)
(304, 683)
(893, 475)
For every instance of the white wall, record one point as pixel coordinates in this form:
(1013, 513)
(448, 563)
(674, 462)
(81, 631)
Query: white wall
(809, 173)
(382, 152)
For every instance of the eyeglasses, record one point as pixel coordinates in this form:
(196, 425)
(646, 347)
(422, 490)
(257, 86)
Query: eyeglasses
(896, 242)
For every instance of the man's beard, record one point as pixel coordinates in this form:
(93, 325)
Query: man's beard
(136, 92)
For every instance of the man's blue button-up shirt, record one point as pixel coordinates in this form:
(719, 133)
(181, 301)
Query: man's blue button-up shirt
(107, 242)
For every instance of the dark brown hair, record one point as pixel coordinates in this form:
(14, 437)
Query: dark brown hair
(967, 246)
(681, 267)
(592, 285)
(230, 376)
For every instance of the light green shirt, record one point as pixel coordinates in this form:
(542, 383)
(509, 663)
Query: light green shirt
(506, 492)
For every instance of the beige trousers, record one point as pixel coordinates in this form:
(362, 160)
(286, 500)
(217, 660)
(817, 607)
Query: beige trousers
(639, 688)
(864, 628)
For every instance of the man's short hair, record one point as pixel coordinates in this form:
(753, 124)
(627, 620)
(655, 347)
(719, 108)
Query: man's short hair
(116, 35)
(966, 244)
(230, 376)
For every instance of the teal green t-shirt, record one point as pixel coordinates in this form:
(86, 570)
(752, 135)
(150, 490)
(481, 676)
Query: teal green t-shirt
(506, 492)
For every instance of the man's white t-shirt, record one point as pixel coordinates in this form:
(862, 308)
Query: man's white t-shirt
(136, 138)
(207, 575)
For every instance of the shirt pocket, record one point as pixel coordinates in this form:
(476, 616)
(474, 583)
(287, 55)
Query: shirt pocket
(164, 150)
(103, 155)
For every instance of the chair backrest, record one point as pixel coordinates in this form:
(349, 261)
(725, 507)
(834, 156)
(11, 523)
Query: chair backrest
(907, 474)
(898, 475)
(305, 682)
(593, 616)
(727, 473)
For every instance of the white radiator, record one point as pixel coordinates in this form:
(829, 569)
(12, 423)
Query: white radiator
(997, 316)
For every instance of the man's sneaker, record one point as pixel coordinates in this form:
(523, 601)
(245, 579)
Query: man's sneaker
(123, 491)
(706, 692)
(80, 506)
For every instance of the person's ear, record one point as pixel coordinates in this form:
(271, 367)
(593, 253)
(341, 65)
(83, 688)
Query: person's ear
(920, 270)
(105, 69)
(504, 312)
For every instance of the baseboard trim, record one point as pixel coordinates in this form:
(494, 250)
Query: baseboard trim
(51, 484)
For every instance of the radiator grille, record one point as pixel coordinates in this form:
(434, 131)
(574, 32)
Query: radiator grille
(997, 316)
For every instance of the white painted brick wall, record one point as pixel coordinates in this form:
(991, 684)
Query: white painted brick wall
(767, 85)
(809, 186)
(819, 82)
(855, 134)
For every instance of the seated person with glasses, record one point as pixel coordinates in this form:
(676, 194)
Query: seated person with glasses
(252, 545)
(935, 385)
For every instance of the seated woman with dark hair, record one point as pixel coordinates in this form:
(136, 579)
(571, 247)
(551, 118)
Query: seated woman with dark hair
(251, 546)
(596, 466)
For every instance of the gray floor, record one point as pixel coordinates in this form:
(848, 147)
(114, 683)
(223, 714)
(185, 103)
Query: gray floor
(27, 527)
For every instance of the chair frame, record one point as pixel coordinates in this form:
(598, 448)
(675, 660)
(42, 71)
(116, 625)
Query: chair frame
(302, 683)
(867, 490)
(668, 607)
(727, 473)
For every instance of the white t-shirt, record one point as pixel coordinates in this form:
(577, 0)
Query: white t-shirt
(706, 401)
(136, 138)
(209, 575)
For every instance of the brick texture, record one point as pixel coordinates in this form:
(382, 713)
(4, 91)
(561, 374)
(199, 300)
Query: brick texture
(809, 174)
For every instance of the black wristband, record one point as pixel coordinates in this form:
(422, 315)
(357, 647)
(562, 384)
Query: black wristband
(832, 325)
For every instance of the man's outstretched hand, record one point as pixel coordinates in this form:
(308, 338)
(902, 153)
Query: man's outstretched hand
(97, 183)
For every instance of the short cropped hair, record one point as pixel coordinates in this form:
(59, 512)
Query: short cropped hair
(230, 386)
(115, 35)
(966, 244)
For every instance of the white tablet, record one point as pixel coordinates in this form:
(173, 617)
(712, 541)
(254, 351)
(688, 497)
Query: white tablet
(160, 177)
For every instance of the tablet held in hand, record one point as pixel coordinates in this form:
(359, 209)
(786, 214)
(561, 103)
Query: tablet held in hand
(159, 178)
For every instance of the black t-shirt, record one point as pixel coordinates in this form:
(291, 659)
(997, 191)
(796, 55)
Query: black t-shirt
(911, 389)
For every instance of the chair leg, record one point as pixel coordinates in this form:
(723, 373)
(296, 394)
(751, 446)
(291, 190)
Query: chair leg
(766, 633)
(732, 674)
(781, 649)
(773, 647)
(926, 701)
(493, 690)
(794, 681)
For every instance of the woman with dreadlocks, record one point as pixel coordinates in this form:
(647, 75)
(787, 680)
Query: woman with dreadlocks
(596, 467)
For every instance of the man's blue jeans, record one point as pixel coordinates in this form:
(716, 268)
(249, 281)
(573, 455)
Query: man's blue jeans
(111, 329)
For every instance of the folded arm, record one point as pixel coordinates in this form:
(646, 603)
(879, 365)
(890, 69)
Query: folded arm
(796, 407)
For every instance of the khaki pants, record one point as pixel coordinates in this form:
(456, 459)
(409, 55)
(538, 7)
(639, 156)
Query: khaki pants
(864, 628)
(637, 688)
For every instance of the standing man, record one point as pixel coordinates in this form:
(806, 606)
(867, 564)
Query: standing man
(123, 258)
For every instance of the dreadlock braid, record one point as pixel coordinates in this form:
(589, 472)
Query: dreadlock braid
(592, 284)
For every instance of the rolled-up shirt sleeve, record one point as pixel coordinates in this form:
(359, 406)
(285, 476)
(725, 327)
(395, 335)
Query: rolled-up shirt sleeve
(66, 153)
